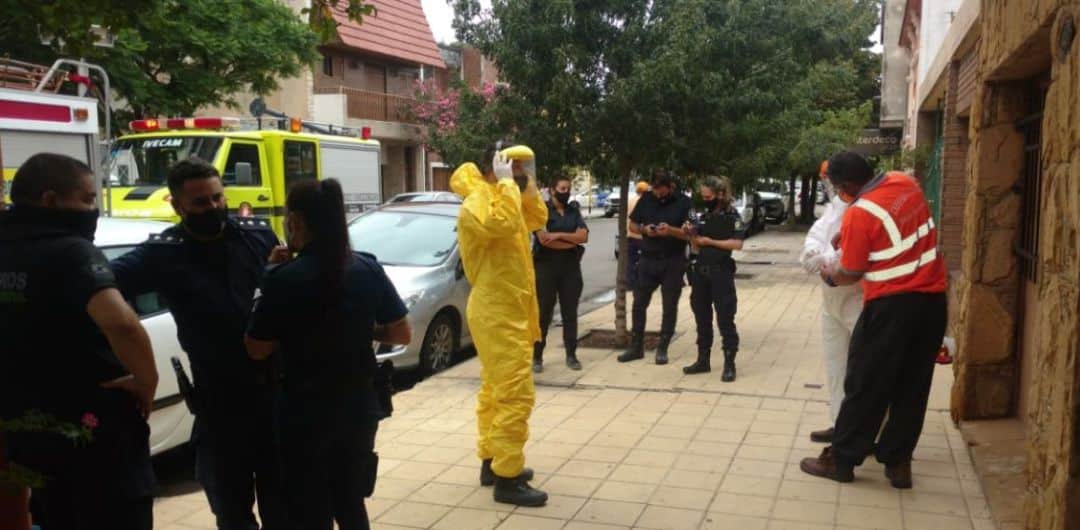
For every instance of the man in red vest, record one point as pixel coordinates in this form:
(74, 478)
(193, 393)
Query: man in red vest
(887, 241)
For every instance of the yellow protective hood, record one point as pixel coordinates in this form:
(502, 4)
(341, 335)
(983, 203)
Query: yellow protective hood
(466, 179)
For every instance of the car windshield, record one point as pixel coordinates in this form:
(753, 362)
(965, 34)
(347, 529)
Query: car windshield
(146, 161)
(404, 238)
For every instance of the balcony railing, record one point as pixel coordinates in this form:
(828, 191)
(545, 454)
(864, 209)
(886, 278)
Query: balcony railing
(367, 105)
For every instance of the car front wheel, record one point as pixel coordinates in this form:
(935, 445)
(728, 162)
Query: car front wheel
(440, 345)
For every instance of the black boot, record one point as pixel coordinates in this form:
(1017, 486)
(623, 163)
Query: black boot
(636, 351)
(487, 476)
(702, 365)
(572, 361)
(517, 491)
(538, 359)
(729, 367)
(661, 349)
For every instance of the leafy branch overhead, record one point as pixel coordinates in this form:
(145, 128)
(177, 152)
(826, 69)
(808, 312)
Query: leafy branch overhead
(323, 23)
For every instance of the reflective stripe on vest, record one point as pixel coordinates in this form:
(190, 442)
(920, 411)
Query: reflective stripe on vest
(899, 244)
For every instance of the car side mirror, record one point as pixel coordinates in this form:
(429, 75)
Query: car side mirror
(459, 270)
(243, 174)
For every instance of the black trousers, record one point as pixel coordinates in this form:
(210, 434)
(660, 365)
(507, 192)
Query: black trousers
(633, 256)
(890, 368)
(666, 273)
(236, 461)
(328, 463)
(558, 278)
(713, 287)
(107, 484)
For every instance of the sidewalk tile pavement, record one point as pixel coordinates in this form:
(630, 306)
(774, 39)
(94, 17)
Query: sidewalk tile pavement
(640, 446)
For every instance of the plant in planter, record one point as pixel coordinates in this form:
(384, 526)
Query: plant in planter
(16, 480)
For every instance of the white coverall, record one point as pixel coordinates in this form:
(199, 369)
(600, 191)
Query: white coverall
(841, 305)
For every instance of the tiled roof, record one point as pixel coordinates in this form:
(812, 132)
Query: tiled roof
(399, 30)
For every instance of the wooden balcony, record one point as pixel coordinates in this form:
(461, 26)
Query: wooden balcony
(367, 105)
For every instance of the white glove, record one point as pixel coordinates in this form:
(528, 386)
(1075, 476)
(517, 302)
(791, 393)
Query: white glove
(502, 166)
(807, 259)
(831, 262)
(814, 263)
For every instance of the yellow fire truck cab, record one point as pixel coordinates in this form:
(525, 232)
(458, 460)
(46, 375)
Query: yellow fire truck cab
(256, 166)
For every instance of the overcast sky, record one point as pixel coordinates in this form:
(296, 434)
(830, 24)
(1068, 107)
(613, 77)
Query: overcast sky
(441, 17)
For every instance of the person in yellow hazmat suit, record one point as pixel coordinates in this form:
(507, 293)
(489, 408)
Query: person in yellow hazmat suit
(501, 207)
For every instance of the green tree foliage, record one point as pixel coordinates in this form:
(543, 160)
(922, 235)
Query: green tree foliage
(172, 57)
(748, 88)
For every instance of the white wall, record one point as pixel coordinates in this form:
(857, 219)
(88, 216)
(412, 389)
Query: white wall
(329, 108)
(937, 16)
(894, 68)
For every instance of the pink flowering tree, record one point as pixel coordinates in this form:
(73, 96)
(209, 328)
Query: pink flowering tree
(459, 122)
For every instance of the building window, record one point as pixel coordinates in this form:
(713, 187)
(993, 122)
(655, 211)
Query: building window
(1030, 185)
(328, 65)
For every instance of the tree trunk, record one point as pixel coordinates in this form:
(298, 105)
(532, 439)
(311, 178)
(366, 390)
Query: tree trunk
(791, 199)
(621, 334)
(806, 202)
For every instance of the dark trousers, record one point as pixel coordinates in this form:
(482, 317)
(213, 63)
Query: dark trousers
(667, 274)
(236, 462)
(558, 278)
(890, 367)
(106, 484)
(328, 465)
(713, 287)
(633, 256)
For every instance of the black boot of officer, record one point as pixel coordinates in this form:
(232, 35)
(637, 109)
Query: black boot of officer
(538, 358)
(662, 348)
(703, 363)
(729, 366)
(636, 351)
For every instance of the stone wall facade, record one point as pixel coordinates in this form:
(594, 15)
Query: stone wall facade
(1021, 40)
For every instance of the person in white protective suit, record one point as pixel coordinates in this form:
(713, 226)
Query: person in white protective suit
(841, 306)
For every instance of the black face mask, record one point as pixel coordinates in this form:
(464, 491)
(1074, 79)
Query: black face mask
(522, 183)
(206, 224)
(82, 223)
(711, 204)
(562, 197)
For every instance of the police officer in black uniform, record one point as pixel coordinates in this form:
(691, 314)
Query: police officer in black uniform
(557, 257)
(207, 269)
(712, 276)
(72, 349)
(322, 310)
(659, 217)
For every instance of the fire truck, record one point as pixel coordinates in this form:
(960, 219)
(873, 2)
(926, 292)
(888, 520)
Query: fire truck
(36, 117)
(258, 159)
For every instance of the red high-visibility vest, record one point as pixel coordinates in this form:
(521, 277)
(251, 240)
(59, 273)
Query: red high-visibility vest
(888, 234)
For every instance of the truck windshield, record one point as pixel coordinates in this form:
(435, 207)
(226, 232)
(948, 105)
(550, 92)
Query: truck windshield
(146, 161)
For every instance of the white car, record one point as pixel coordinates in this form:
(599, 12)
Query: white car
(170, 422)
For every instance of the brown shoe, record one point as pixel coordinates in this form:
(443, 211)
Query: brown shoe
(899, 475)
(822, 436)
(825, 466)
